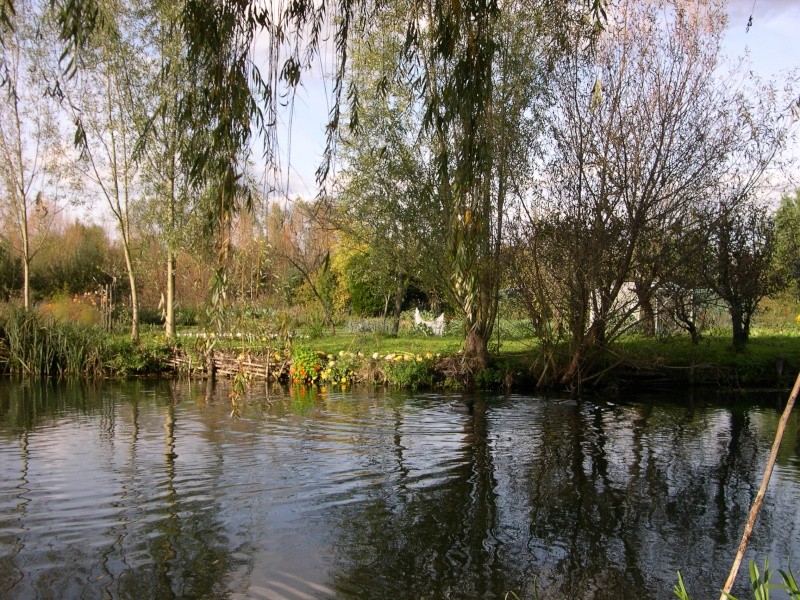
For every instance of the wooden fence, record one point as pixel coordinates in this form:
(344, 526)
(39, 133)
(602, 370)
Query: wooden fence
(226, 365)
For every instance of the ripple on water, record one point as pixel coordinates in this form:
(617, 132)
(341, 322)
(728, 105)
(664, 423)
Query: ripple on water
(163, 493)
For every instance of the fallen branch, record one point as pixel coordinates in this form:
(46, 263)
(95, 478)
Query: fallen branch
(756, 508)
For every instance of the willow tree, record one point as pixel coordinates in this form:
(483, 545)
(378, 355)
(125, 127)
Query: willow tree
(100, 99)
(385, 201)
(446, 124)
(462, 53)
(643, 130)
(163, 142)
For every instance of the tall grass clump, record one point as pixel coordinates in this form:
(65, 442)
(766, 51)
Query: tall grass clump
(46, 348)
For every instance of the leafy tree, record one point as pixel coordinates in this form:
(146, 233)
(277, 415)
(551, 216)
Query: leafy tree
(386, 204)
(76, 260)
(162, 143)
(787, 240)
(643, 130)
(31, 159)
(740, 261)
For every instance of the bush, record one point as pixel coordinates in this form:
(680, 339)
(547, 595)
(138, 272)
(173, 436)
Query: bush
(81, 309)
(121, 357)
(407, 371)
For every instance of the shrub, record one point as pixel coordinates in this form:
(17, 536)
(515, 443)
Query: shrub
(81, 309)
(121, 357)
(306, 366)
(407, 371)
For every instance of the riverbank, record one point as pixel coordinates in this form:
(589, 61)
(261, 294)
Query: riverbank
(32, 347)
(639, 362)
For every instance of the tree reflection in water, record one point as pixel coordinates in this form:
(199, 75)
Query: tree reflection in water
(587, 500)
(147, 538)
(152, 490)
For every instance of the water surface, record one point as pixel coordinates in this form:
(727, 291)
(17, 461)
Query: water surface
(155, 490)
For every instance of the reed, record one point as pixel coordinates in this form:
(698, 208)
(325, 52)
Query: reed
(45, 348)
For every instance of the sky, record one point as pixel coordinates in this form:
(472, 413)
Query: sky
(773, 39)
(771, 45)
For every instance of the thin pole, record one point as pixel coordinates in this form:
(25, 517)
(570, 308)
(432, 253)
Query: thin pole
(756, 508)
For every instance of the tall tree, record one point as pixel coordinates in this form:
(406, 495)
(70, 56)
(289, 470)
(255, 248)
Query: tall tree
(740, 261)
(163, 143)
(386, 201)
(643, 130)
(31, 155)
(101, 99)
(787, 241)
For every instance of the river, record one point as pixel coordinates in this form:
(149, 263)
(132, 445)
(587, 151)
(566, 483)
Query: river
(159, 490)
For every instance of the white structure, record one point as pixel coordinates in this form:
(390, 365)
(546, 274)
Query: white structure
(436, 326)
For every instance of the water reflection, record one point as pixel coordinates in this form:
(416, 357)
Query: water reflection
(154, 490)
(95, 509)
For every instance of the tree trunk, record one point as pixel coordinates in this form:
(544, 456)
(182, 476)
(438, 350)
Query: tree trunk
(476, 349)
(134, 294)
(741, 328)
(648, 318)
(26, 283)
(398, 304)
(693, 332)
(645, 304)
(169, 318)
(586, 350)
(26, 260)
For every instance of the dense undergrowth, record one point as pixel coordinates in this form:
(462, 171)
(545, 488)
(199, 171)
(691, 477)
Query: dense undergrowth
(32, 344)
(40, 344)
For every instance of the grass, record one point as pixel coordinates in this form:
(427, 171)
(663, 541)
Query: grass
(772, 357)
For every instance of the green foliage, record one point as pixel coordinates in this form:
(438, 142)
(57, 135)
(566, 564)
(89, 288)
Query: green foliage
(306, 366)
(75, 261)
(680, 589)
(409, 372)
(787, 242)
(760, 583)
(44, 348)
(488, 378)
(341, 369)
(790, 583)
(123, 358)
(365, 287)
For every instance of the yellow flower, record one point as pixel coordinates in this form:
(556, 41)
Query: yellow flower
(344, 379)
